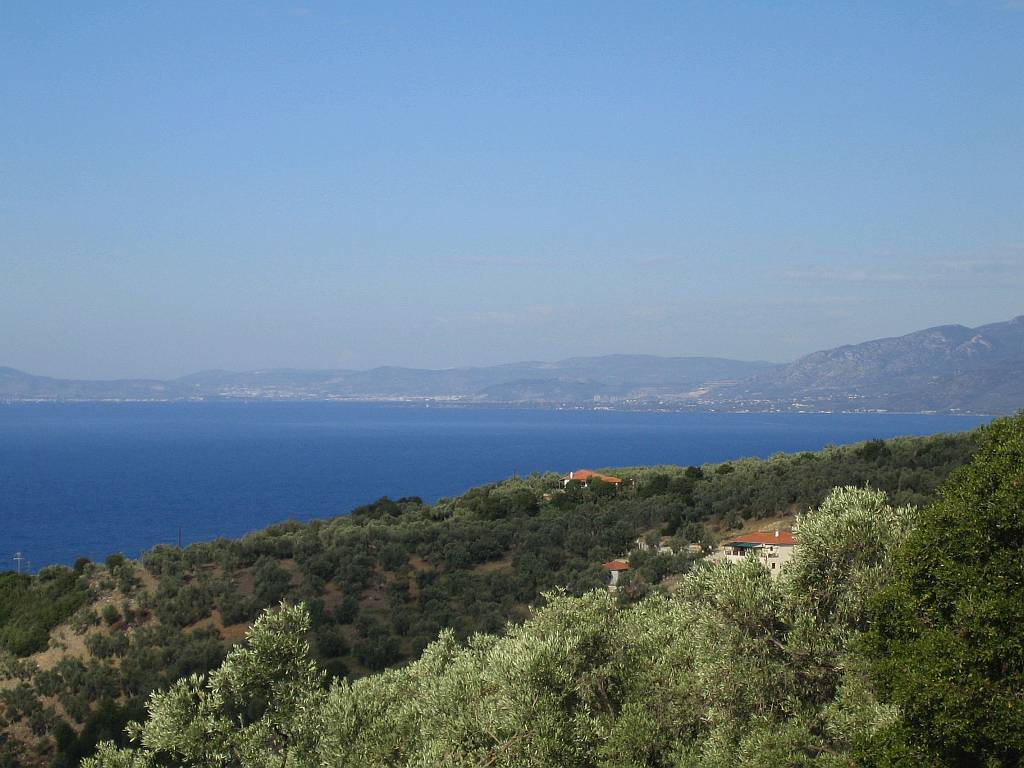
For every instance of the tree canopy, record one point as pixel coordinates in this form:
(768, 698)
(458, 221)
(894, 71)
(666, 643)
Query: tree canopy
(949, 637)
(382, 583)
(892, 637)
(736, 668)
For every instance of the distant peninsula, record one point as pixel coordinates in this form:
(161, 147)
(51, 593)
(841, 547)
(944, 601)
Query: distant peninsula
(947, 369)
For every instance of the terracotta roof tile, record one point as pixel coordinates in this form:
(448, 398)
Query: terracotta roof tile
(586, 474)
(784, 538)
(616, 565)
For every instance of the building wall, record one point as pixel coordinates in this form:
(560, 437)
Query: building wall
(613, 582)
(771, 556)
(775, 556)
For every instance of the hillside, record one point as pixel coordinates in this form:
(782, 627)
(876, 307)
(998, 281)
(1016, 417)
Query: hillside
(581, 379)
(949, 368)
(890, 638)
(16, 385)
(381, 583)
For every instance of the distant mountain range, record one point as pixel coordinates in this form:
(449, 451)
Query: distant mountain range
(948, 368)
(613, 378)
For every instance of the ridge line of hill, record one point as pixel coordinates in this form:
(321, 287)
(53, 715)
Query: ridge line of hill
(948, 368)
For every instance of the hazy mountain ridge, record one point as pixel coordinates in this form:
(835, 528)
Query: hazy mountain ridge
(945, 368)
(17, 385)
(576, 380)
(949, 367)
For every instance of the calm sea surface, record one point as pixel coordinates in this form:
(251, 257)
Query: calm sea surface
(92, 479)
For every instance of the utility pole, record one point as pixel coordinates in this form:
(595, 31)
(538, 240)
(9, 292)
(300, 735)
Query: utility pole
(17, 559)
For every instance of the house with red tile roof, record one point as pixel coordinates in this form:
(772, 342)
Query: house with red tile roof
(614, 568)
(584, 476)
(772, 549)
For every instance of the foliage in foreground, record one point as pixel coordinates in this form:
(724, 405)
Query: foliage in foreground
(381, 583)
(949, 639)
(736, 668)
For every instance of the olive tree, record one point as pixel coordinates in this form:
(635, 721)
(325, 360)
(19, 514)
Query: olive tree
(260, 708)
(948, 643)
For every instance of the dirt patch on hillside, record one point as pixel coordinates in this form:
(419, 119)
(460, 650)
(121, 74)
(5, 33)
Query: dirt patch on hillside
(783, 522)
(420, 565)
(331, 595)
(232, 633)
(502, 564)
(64, 643)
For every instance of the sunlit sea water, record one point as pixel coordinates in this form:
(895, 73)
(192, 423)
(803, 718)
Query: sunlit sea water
(92, 479)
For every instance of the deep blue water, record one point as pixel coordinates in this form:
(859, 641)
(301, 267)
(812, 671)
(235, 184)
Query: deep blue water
(91, 479)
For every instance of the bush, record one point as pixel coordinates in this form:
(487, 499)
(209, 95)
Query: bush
(180, 605)
(270, 582)
(104, 646)
(376, 648)
(347, 610)
(110, 614)
(948, 642)
(31, 606)
(331, 642)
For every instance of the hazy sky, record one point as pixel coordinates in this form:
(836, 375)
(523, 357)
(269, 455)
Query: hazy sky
(244, 185)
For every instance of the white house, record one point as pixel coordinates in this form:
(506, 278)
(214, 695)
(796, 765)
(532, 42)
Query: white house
(773, 550)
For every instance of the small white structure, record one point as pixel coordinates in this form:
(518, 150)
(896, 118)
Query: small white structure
(615, 567)
(773, 550)
(662, 547)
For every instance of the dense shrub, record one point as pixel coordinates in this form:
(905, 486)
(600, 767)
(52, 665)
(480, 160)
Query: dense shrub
(270, 581)
(732, 671)
(949, 646)
(383, 582)
(31, 607)
(110, 614)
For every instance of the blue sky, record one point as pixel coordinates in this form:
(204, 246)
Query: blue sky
(247, 185)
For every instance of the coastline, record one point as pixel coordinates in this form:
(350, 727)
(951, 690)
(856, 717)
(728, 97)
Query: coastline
(459, 403)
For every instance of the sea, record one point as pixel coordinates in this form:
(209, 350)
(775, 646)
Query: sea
(92, 479)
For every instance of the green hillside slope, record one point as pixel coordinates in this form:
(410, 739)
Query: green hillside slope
(383, 582)
(892, 638)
